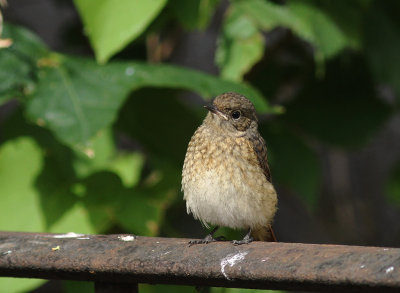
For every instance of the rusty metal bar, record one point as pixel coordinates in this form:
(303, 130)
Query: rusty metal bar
(260, 265)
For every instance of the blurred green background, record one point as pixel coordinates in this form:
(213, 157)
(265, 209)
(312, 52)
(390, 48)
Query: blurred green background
(99, 99)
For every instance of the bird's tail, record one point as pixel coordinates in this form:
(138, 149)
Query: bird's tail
(263, 234)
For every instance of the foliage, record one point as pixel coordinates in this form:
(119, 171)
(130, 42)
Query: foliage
(110, 28)
(97, 147)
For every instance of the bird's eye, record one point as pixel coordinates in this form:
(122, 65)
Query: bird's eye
(236, 114)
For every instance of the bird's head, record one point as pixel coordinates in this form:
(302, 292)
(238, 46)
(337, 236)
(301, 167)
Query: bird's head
(232, 113)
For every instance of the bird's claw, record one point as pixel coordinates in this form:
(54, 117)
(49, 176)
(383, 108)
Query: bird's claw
(207, 239)
(246, 240)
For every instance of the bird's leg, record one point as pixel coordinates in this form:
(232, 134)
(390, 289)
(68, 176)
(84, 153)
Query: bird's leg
(209, 238)
(246, 239)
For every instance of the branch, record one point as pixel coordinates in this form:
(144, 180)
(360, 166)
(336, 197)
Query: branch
(260, 265)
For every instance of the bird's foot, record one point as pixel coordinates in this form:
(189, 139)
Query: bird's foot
(246, 239)
(208, 239)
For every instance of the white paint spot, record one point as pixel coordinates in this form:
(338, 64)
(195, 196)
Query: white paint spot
(265, 259)
(231, 260)
(37, 242)
(385, 249)
(362, 266)
(168, 252)
(7, 252)
(83, 238)
(129, 71)
(158, 242)
(389, 270)
(68, 235)
(127, 238)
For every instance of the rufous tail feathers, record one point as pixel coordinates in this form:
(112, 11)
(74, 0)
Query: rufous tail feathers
(264, 234)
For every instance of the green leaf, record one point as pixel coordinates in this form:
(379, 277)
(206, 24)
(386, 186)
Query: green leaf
(240, 46)
(102, 192)
(75, 219)
(112, 25)
(20, 162)
(326, 36)
(25, 44)
(138, 213)
(102, 155)
(194, 14)
(78, 287)
(53, 184)
(97, 155)
(18, 285)
(75, 98)
(208, 86)
(18, 62)
(34, 197)
(14, 75)
(305, 20)
(128, 167)
(349, 16)
(109, 202)
(268, 15)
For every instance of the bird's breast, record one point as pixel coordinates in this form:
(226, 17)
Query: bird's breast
(223, 183)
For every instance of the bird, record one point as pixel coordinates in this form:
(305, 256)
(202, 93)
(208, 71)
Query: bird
(226, 180)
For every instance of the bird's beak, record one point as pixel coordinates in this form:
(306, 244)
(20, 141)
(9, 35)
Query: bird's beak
(214, 110)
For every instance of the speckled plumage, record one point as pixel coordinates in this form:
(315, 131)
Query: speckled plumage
(225, 178)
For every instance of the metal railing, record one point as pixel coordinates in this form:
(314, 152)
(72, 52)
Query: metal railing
(117, 263)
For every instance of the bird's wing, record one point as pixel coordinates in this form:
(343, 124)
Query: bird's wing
(260, 149)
